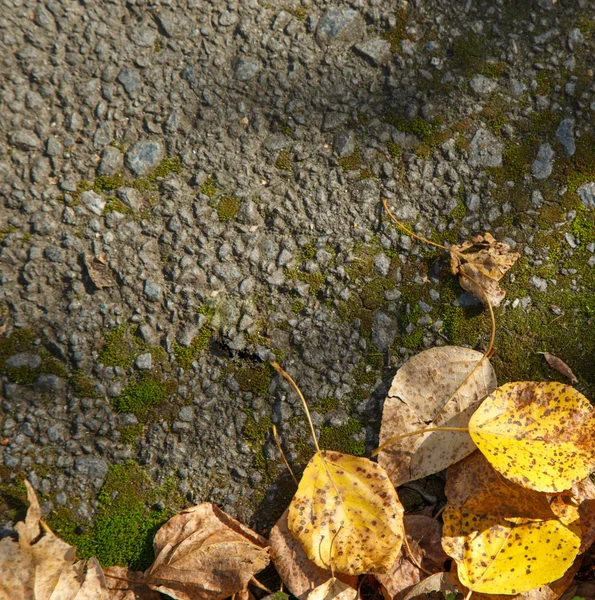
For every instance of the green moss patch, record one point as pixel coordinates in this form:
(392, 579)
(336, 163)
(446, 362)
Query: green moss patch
(140, 396)
(227, 208)
(121, 347)
(125, 524)
(255, 379)
(283, 161)
(341, 440)
(186, 356)
(399, 32)
(130, 433)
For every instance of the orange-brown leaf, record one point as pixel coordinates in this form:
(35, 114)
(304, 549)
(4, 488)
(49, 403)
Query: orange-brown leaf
(126, 584)
(204, 554)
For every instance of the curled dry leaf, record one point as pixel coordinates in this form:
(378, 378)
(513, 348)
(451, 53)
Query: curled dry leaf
(539, 435)
(297, 571)
(346, 513)
(439, 582)
(204, 554)
(559, 365)
(428, 391)
(423, 536)
(126, 584)
(506, 556)
(41, 565)
(333, 589)
(98, 271)
(486, 266)
(473, 485)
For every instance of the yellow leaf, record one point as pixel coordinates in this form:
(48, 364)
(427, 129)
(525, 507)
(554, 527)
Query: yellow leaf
(439, 387)
(347, 513)
(333, 589)
(497, 556)
(539, 435)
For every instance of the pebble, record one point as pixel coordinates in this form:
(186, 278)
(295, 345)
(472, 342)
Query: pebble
(246, 69)
(482, 85)
(340, 24)
(152, 291)
(486, 149)
(538, 283)
(22, 360)
(544, 163)
(382, 264)
(131, 80)
(95, 468)
(384, 331)
(376, 51)
(54, 254)
(112, 161)
(24, 140)
(144, 362)
(565, 136)
(144, 157)
(586, 193)
(93, 201)
(344, 143)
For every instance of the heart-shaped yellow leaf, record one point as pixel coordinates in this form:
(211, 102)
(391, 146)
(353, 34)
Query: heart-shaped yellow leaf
(346, 513)
(539, 435)
(498, 556)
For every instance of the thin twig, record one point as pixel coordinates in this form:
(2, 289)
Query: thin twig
(283, 453)
(259, 585)
(469, 595)
(413, 559)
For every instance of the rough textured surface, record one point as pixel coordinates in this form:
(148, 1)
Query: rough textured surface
(239, 151)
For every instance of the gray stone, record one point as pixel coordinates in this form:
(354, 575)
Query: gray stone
(24, 360)
(144, 362)
(47, 383)
(131, 80)
(24, 140)
(152, 291)
(103, 135)
(171, 23)
(186, 414)
(53, 147)
(382, 264)
(144, 157)
(575, 39)
(54, 254)
(333, 119)
(93, 201)
(384, 331)
(517, 88)
(486, 149)
(112, 161)
(340, 24)
(586, 193)
(95, 468)
(344, 143)
(538, 283)
(565, 135)
(246, 69)
(130, 197)
(148, 334)
(482, 85)
(542, 166)
(466, 300)
(376, 51)
(61, 498)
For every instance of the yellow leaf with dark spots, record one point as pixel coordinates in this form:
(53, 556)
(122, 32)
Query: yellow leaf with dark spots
(498, 556)
(539, 435)
(346, 513)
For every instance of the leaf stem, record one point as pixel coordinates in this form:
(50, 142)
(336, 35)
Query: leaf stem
(286, 375)
(283, 453)
(396, 438)
(413, 235)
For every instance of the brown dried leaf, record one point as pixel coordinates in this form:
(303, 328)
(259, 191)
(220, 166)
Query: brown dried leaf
(559, 365)
(473, 485)
(581, 589)
(424, 394)
(98, 271)
(126, 584)
(297, 571)
(439, 582)
(41, 566)
(204, 554)
(423, 535)
(486, 266)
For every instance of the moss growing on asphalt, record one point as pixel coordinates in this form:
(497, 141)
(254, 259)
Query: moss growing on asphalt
(398, 33)
(583, 226)
(121, 347)
(372, 294)
(341, 438)
(255, 379)
(227, 208)
(115, 205)
(186, 356)
(394, 149)
(83, 386)
(140, 396)
(130, 433)
(166, 167)
(417, 126)
(124, 526)
(283, 161)
(209, 187)
(351, 162)
(324, 406)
